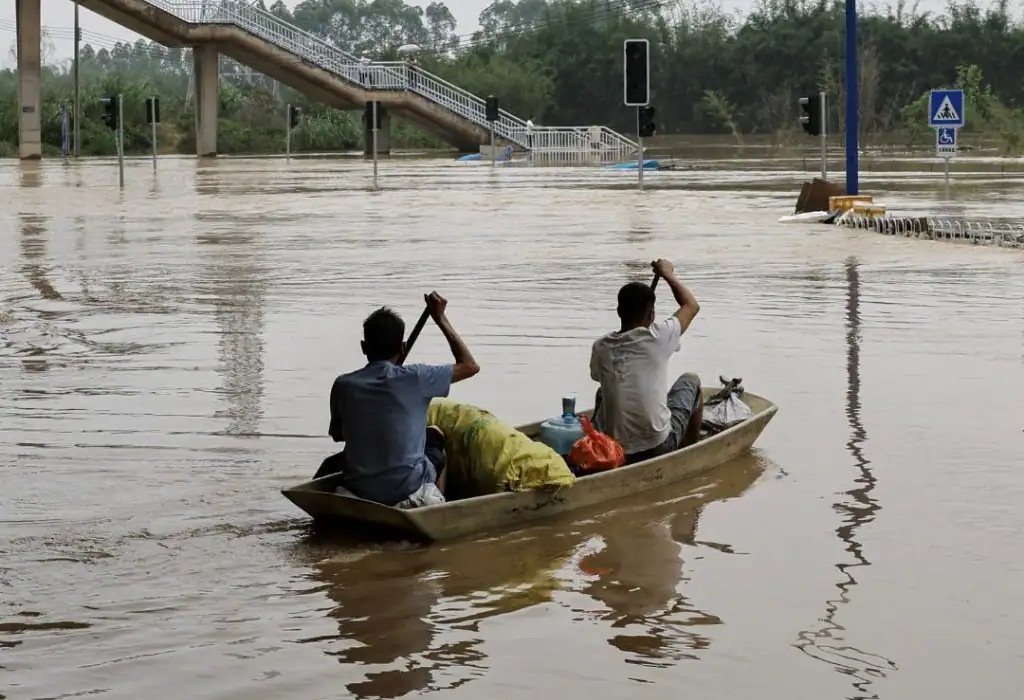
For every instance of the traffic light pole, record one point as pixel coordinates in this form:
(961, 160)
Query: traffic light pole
(639, 152)
(120, 140)
(153, 120)
(824, 135)
(374, 116)
(492, 114)
(288, 131)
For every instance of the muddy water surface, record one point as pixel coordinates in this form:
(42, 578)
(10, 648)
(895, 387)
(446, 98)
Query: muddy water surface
(165, 358)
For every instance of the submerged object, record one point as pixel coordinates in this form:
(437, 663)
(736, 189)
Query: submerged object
(649, 164)
(807, 217)
(504, 156)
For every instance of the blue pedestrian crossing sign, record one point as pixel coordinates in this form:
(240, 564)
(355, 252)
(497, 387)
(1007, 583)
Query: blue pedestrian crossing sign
(946, 108)
(945, 141)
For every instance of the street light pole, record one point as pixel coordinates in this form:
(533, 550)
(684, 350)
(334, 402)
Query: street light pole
(78, 110)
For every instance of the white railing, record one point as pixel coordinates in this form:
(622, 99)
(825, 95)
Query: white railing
(393, 76)
(1000, 234)
(401, 76)
(577, 145)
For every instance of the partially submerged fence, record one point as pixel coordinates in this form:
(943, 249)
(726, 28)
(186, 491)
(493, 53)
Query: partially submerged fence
(999, 233)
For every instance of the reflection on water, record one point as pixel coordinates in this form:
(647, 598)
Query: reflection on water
(640, 229)
(428, 603)
(235, 282)
(234, 289)
(384, 603)
(33, 252)
(30, 174)
(825, 644)
(636, 565)
(238, 303)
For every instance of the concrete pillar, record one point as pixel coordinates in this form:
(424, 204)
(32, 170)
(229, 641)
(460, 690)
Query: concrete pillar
(206, 72)
(383, 131)
(30, 144)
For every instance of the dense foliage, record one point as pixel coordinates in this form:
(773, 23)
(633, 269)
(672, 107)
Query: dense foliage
(560, 61)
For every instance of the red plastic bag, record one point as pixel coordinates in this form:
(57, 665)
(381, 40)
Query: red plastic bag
(596, 451)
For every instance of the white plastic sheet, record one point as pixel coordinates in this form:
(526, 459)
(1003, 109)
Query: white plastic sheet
(726, 409)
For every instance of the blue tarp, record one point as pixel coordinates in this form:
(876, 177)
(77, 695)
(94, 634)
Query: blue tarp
(503, 156)
(649, 164)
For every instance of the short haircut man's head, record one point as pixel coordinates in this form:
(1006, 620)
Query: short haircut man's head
(636, 304)
(383, 335)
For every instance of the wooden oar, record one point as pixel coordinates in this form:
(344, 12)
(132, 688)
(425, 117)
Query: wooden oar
(654, 282)
(416, 330)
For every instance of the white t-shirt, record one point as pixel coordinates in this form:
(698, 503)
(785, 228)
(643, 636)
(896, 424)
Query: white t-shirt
(632, 368)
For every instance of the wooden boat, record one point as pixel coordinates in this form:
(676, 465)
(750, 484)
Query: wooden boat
(473, 515)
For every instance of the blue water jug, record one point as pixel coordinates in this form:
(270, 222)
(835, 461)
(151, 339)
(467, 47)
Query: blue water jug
(560, 433)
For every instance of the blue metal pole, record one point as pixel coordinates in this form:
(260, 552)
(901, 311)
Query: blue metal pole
(852, 99)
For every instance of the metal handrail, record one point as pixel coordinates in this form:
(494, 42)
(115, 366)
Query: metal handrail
(450, 86)
(389, 75)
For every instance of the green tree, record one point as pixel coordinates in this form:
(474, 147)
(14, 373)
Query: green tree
(560, 61)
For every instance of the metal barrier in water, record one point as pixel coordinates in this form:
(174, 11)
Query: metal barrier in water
(1001, 234)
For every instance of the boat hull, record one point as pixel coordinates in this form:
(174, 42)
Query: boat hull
(501, 510)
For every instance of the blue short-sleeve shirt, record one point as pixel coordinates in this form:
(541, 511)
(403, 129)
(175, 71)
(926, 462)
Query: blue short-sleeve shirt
(380, 412)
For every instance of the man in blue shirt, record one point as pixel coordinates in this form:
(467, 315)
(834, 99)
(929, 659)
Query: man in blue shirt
(380, 412)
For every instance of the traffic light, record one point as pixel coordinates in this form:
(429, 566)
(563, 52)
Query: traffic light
(152, 110)
(492, 108)
(810, 120)
(645, 122)
(294, 115)
(110, 112)
(636, 72)
(368, 115)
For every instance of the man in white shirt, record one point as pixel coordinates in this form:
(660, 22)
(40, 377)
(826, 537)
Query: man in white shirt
(631, 365)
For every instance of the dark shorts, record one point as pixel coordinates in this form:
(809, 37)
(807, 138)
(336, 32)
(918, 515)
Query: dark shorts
(683, 400)
(434, 451)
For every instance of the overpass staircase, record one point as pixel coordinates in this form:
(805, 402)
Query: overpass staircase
(328, 74)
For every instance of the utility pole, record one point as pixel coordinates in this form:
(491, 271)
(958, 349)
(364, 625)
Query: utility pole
(77, 108)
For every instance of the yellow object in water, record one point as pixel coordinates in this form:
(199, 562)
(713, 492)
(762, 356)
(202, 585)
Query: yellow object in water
(846, 202)
(490, 456)
(869, 210)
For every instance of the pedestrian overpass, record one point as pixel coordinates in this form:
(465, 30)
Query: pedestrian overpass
(318, 69)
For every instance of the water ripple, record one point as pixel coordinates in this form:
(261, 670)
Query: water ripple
(165, 357)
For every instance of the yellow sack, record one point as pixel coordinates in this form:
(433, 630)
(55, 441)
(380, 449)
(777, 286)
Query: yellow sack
(489, 456)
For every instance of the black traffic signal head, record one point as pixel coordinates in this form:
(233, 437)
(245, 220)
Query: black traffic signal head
(645, 122)
(810, 118)
(110, 112)
(294, 115)
(492, 108)
(368, 115)
(152, 110)
(636, 72)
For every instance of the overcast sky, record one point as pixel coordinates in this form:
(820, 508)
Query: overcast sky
(58, 18)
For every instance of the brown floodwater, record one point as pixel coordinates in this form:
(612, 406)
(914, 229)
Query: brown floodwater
(166, 355)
